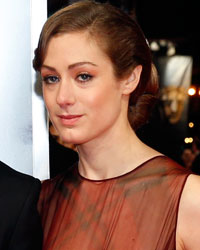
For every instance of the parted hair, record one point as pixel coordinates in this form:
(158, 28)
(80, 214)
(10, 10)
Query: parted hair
(122, 40)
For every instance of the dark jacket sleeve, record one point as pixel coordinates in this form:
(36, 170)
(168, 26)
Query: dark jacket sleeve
(27, 234)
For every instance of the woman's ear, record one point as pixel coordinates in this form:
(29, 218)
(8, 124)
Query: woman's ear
(130, 83)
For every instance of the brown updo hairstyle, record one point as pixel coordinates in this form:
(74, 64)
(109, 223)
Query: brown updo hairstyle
(122, 40)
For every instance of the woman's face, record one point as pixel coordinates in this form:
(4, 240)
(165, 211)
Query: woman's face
(82, 95)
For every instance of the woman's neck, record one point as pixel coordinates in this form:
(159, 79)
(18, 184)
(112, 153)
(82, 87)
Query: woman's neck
(114, 154)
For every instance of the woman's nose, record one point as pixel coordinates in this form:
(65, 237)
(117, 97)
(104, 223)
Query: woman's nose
(65, 94)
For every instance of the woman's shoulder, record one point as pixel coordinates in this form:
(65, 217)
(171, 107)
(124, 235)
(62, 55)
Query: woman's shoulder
(188, 229)
(165, 165)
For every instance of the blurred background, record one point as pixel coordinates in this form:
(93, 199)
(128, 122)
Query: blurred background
(171, 28)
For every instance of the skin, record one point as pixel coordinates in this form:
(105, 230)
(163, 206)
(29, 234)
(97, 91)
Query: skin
(88, 107)
(101, 101)
(188, 233)
(92, 98)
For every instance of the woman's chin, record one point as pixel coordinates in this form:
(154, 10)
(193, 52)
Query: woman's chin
(70, 141)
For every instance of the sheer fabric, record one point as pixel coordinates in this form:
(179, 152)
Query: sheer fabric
(137, 210)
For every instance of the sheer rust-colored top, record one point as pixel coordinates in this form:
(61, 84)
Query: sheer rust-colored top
(137, 210)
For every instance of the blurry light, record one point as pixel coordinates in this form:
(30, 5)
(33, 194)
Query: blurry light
(191, 91)
(154, 46)
(191, 124)
(171, 49)
(188, 140)
(163, 42)
(199, 92)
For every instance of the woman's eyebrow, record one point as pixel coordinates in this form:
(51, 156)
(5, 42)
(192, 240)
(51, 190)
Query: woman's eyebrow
(48, 67)
(78, 64)
(71, 66)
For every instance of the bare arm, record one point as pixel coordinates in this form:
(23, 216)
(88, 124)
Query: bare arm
(188, 225)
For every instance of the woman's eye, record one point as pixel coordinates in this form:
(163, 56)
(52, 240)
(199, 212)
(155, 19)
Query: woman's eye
(50, 79)
(84, 77)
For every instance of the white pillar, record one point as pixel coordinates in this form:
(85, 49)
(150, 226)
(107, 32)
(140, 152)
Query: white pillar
(23, 129)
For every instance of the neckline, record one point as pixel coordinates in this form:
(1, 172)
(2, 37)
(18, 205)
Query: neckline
(122, 175)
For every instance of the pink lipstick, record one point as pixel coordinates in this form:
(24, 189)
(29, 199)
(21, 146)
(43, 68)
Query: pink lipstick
(69, 120)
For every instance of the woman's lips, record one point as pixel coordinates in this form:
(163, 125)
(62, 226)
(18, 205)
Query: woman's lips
(69, 120)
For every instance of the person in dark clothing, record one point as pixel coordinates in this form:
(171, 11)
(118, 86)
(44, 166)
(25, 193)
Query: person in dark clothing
(20, 227)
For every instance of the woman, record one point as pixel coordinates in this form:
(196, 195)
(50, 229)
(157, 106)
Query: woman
(99, 85)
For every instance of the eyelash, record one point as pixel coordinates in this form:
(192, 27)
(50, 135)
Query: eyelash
(88, 77)
(50, 79)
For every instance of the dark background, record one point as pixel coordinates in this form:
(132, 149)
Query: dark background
(177, 21)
